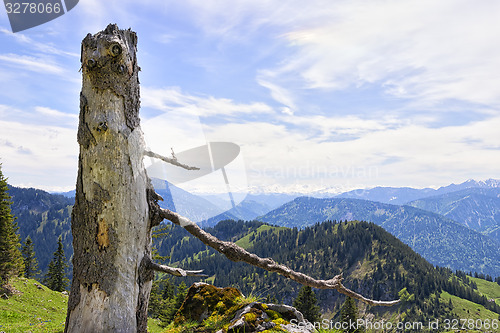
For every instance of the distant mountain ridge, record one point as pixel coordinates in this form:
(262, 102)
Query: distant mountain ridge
(208, 210)
(402, 195)
(477, 208)
(438, 239)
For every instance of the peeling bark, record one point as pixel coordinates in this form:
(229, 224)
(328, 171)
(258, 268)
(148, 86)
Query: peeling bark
(110, 220)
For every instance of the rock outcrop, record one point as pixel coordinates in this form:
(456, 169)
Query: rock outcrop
(211, 309)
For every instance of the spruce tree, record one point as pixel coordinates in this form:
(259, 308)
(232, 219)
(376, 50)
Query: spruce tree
(11, 261)
(306, 303)
(30, 262)
(56, 278)
(155, 300)
(349, 315)
(172, 305)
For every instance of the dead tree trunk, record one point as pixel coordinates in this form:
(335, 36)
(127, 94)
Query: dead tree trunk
(116, 206)
(110, 219)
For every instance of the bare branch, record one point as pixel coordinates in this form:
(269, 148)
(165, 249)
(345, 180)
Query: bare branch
(171, 270)
(172, 161)
(236, 253)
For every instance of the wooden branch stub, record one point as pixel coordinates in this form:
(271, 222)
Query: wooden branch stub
(172, 270)
(169, 160)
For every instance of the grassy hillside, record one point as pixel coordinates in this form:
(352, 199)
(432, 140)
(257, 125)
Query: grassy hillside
(247, 241)
(32, 309)
(489, 289)
(35, 308)
(466, 309)
(373, 262)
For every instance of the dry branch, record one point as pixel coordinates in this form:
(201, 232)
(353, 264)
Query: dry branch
(170, 160)
(171, 270)
(236, 253)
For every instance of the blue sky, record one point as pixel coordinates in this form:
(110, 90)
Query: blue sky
(318, 94)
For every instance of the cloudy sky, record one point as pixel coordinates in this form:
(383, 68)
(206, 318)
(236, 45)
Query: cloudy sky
(318, 94)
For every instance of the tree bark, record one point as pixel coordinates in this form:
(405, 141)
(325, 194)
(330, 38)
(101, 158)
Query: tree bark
(111, 225)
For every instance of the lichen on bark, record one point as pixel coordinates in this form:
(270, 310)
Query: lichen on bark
(110, 219)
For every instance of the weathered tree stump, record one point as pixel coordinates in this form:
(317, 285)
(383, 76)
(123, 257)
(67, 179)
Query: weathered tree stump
(111, 224)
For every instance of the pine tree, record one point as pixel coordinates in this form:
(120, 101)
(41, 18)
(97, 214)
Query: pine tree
(349, 315)
(271, 299)
(155, 299)
(30, 262)
(173, 304)
(11, 261)
(306, 303)
(56, 278)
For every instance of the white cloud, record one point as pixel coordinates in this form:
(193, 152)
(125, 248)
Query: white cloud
(54, 113)
(425, 50)
(280, 94)
(404, 155)
(333, 128)
(165, 38)
(35, 64)
(33, 155)
(421, 51)
(203, 106)
(44, 47)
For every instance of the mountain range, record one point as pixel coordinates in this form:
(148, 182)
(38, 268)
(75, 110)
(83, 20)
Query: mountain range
(440, 240)
(476, 208)
(456, 226)
(403, 195)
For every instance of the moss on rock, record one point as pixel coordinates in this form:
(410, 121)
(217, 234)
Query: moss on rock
(221, 310)
(204, 300)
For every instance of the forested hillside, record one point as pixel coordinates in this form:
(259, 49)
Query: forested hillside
(440, 240)
(374, 263)
(44, 217)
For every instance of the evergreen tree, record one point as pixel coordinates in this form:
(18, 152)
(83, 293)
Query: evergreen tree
(306, 303)
(30, 262)
(56, 277)
(172, 305)
(11, 261)
(349, 315)
(271, 299)
(155, 300)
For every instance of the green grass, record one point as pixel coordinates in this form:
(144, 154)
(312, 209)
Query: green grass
(489, 289)
(245, 242)
(186, 327)
(466, 309)
(34, 310)
(245, 300)
(154, 326)
(210, 279)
